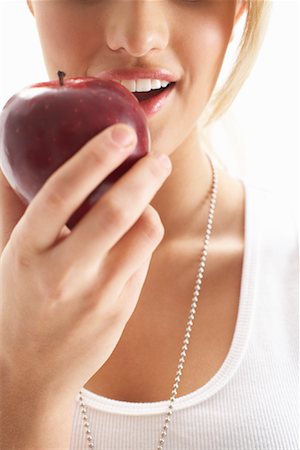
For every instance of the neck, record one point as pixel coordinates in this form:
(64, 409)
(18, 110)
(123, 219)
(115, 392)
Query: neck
(183, 200)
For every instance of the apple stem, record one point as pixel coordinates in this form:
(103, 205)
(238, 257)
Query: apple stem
(61, 76)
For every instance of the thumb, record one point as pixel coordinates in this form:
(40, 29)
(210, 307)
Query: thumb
(12, 209)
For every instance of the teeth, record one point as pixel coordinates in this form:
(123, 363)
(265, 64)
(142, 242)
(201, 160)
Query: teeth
(129, 84)
(143, 85)
(156, 84)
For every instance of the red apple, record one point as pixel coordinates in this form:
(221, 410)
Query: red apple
(43, 125)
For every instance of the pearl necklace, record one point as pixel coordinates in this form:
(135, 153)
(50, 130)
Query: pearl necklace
(188, 330)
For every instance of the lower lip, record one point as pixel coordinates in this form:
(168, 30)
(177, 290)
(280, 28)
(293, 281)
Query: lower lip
(155, 104)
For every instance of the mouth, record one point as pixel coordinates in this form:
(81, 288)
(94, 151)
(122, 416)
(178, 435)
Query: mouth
(152, 88)
(154, 100)
(143, 96)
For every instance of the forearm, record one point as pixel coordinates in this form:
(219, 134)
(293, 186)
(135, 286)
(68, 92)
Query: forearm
(33, 421)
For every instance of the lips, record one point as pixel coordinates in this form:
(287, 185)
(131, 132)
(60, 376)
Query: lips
(151, 101)
(153, 104)
(142, 96)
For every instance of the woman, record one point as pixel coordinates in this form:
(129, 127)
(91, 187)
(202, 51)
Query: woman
(97, 322)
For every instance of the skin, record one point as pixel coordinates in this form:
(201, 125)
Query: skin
(148, 36)
(115, 292)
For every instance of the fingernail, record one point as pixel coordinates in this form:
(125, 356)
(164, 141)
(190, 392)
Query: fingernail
(164, 160)
(123, 135)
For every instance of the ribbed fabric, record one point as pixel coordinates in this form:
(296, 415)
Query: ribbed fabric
(251, 402)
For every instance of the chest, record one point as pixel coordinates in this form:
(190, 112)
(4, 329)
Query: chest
(143, 365)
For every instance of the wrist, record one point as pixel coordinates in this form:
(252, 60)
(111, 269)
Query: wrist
(33, 418)
(28, 424)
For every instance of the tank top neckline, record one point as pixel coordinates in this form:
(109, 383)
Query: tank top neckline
(237, 348)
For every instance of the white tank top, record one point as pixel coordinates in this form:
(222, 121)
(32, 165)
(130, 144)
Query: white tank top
(251, 402)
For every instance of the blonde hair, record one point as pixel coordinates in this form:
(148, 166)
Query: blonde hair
(258, 13)
(256, 22)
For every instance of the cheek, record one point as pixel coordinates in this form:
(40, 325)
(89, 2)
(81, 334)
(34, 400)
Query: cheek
(67, 41)
(203, 54)
(201, 48)
(209, 47)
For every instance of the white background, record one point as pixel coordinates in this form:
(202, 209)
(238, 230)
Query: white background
(257, 139)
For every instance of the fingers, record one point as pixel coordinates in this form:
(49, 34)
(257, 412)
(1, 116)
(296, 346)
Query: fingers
(12, 209)
(131, 251)
(109, 274)
(68, 187)
(127, 301)
(116, 212)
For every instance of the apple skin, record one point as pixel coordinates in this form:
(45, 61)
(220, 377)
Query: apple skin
(45, 124)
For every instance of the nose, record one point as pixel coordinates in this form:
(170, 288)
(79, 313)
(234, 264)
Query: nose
(137, 27)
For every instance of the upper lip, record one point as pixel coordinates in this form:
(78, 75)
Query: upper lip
(135, 74)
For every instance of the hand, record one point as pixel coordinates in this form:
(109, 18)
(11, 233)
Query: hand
(67, 296)
(12, 209)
